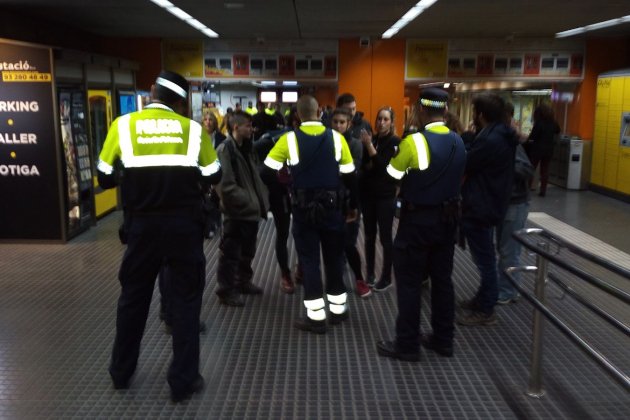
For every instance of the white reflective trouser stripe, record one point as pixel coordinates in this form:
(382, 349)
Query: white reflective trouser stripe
(337, 141)
(337, 303)
(315, 309)
(421, 149)
(294, 159)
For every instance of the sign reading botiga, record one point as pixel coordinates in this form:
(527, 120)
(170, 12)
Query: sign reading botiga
(29, 168)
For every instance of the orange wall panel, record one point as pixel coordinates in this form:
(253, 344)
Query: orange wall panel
(355, 73)
(388, 79)
(374, 75)
(325, 95)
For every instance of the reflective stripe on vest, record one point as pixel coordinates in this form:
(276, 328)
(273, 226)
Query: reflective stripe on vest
(395, 173)
(294, 157)
(105, 168)
(422, 150)
(337, 140)
(190, 159)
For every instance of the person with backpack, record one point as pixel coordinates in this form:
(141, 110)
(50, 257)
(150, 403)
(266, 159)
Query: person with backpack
(515, 217)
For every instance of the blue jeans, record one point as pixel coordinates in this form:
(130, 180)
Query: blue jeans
(508, 247)
(481, 244)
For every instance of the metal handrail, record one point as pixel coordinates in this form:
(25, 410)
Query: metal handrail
(607, 264)
(543, 257)
(591, 306)
(620, 294)
(601, 360)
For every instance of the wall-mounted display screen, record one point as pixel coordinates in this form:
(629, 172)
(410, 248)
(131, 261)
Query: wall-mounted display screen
(289, 96)
(126, 102)
(268, 96)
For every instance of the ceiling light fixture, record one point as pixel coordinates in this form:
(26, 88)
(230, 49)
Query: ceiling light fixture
(411, 14)
(180, 14)
(233, 5)
(593, 27)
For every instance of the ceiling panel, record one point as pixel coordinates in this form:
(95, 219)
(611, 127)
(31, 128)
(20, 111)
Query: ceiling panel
(326, 19)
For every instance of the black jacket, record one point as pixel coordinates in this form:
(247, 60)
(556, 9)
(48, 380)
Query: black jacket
(375, 181)
(358, 124)
(489, 175)
(542, 139)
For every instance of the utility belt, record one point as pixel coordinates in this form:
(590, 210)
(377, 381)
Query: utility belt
(317, 203)
(328, 199)
(449, 211)
(194, 213)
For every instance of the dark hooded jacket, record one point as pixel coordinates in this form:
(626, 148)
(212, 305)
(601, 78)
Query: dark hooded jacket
(358, 123)
(489, 175)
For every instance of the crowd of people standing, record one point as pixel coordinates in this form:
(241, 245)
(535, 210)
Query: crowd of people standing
(449, 186)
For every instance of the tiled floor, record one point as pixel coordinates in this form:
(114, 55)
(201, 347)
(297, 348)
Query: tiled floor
(57, 306)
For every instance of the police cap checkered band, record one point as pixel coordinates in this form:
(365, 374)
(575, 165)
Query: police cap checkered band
(433, 98)
(173, 82)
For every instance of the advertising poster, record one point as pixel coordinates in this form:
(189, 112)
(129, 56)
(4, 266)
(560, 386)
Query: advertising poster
(286, 65)
(184, 57)
(330, 66)
(485, 63)
(532, 64)
(241, 65)
(426, 59)
(70, 154)
(218, 65)
(577, 65)
(29, 173)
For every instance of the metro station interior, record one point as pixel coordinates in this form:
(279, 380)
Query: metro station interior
(71, 67)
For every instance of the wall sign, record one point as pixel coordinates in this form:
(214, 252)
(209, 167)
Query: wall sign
(29, 169)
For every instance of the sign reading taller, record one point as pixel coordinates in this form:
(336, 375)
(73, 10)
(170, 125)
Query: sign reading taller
(30, 206)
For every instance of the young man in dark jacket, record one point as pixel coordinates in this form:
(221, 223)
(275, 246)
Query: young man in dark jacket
(244, 201)
(485, 193)
(348, 101)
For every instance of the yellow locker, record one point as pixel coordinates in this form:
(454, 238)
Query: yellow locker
(601, 126)
(610, 166)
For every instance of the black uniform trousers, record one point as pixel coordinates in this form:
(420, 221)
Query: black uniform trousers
(424, 246)
(154, 241)
(308, 237)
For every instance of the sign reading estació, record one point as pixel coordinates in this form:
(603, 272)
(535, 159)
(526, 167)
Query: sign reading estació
(29, 182)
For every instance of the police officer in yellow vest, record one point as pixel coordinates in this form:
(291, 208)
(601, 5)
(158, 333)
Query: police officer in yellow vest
(319, 160)
(431, 164)
(165, 158)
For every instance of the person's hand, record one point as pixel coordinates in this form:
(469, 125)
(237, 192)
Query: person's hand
(352, 215)
(366, 138)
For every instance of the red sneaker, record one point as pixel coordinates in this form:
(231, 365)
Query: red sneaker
(363, 289)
